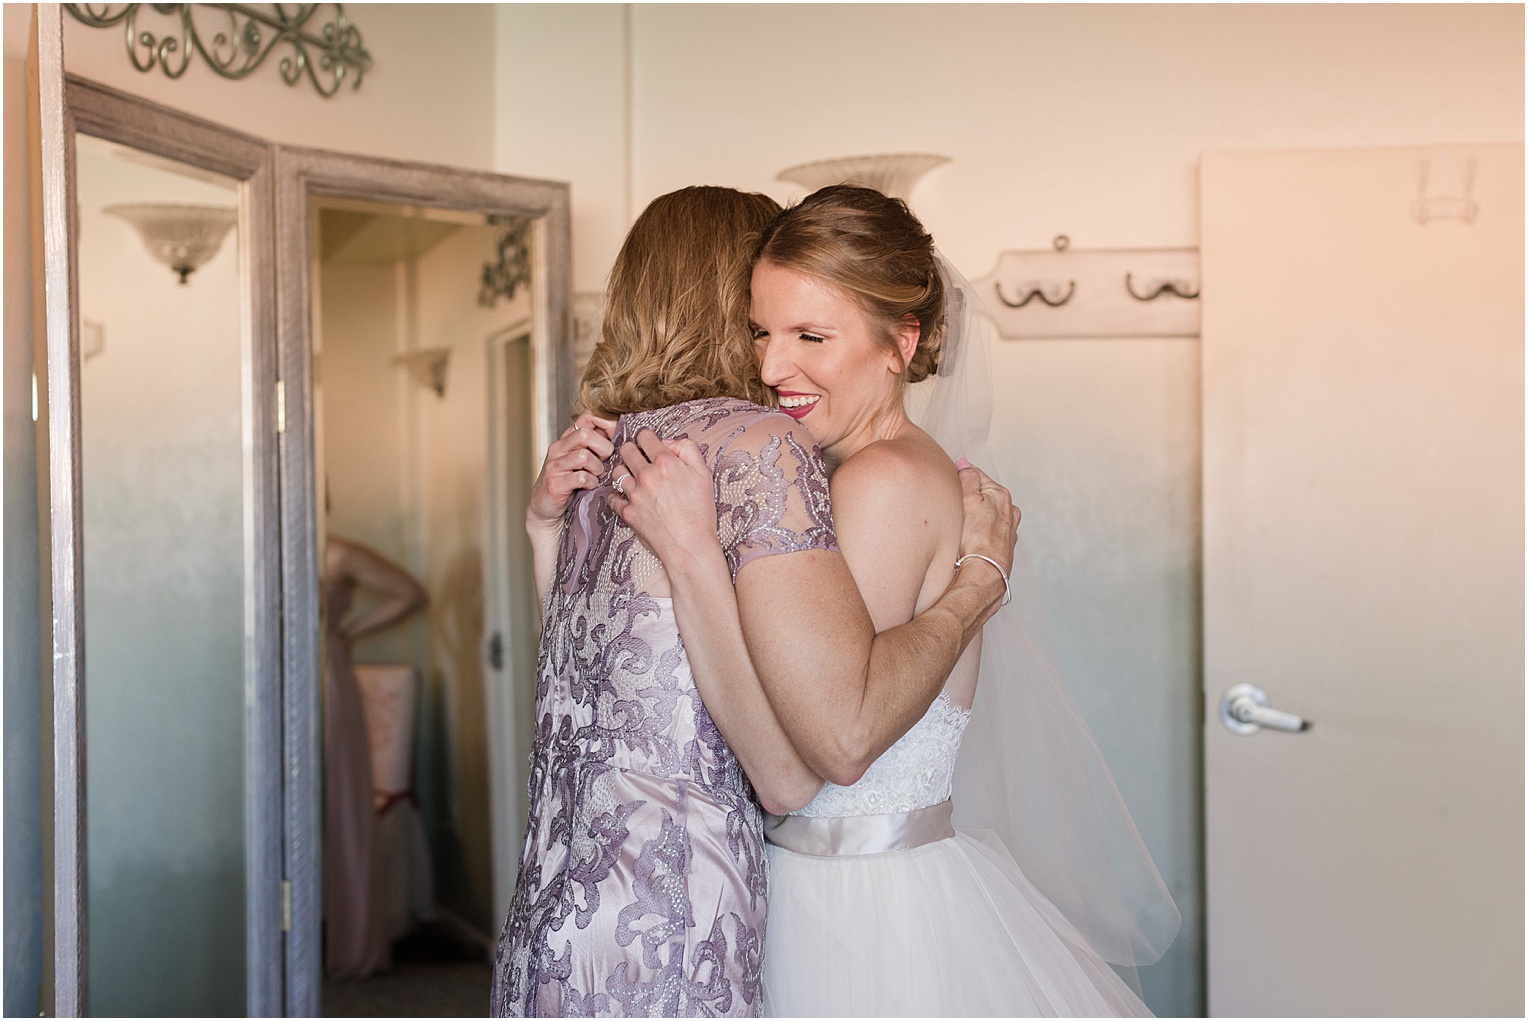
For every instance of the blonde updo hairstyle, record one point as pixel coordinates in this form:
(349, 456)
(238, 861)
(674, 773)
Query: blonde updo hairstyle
(872, 248)
(676, 307)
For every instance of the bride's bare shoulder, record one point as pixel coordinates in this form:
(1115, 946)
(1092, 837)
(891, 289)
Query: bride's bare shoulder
(909, 471)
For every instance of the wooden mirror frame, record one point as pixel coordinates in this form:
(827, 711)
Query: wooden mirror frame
(283, 773)
(301, 176)
(101, 112)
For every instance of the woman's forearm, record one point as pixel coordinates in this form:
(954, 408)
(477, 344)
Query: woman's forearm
(544, 542)
(908, 667)
(705, 607)
(843, 693)
(383, 615)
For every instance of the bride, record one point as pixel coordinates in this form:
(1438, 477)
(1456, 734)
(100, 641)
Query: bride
(877, 905)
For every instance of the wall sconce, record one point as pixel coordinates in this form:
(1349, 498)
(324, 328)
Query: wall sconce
(892, 174)
(181, 237)
(428, 367)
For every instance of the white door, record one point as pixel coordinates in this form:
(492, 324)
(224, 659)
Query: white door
(1363, 565)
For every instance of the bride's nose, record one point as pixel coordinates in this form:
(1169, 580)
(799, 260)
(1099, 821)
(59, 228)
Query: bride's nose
(774, 362)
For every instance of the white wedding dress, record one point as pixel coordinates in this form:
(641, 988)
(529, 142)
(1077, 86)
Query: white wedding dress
(878, 907)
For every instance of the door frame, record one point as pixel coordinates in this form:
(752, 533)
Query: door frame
(302, 174)
(86, 107)
(501, 610)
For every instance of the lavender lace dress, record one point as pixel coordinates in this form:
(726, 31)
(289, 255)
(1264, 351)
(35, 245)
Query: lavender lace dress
(642, 882)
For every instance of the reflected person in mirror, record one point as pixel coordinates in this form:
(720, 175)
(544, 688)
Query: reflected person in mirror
(356, 940)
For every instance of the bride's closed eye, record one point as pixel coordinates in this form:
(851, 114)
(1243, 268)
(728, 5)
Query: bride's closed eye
(759, 333)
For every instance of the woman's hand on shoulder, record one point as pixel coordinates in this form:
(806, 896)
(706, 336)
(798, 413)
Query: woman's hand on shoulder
(666, 494)
(574, 461)
(991, 526)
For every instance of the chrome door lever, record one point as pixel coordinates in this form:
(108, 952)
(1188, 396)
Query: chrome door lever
(1244, 710)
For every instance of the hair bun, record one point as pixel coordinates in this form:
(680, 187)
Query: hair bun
(873, 247)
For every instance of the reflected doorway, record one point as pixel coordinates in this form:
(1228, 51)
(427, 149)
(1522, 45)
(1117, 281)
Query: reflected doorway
(421, 322)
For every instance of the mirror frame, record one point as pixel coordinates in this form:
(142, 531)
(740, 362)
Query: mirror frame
(283, 689)
(105, 113)
(302, 175)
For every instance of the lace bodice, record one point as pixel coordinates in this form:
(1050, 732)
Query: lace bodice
(643, 883)
(914, 773)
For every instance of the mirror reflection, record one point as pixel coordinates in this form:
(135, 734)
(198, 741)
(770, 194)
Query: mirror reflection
(421, 321)
(164, 488)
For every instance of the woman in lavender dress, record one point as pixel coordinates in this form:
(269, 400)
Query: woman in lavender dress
(879, 906)
(642, 886)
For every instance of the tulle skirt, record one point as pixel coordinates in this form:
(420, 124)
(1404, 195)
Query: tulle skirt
(951, 928)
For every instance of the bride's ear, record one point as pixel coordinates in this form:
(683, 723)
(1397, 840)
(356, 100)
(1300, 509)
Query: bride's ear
(906, 334)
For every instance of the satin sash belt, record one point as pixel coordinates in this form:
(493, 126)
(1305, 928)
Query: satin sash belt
(859, 834)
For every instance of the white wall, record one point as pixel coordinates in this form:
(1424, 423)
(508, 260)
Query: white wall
(428, 97)
(1083, 120)
(561, 111)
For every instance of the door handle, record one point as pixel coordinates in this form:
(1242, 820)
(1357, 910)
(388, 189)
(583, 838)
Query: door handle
(1244, 710)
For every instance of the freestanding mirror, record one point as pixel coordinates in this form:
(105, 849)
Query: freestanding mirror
(425, 325)
(166, 559)
(187, 268)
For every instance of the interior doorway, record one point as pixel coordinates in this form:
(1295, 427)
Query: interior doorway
(421, 321)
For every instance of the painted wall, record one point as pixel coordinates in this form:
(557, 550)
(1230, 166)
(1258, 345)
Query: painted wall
(1084, 120)
(561, 111)
(428, 97)
(23, 652)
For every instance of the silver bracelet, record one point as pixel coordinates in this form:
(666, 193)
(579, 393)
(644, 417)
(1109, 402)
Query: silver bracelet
(1007, 591)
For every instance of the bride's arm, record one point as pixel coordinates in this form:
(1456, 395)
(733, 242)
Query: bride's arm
(842, 693)
(705, 608)
(861, 690)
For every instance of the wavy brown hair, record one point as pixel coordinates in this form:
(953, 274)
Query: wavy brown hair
(676, 308)
(872, 247)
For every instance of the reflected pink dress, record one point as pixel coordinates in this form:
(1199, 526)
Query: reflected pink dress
(642, 884)
(355, 934)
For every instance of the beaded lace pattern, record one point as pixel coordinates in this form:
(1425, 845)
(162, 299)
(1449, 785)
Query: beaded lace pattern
(642, 880)
(916, 772)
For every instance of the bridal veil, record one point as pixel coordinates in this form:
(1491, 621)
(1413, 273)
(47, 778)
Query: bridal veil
(1029, 768)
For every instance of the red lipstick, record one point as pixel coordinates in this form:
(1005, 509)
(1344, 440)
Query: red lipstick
(801, 410)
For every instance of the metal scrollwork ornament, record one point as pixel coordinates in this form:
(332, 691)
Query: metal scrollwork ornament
(501, 279)
(328, 54)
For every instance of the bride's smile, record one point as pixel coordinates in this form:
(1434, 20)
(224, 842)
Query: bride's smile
(820, 353)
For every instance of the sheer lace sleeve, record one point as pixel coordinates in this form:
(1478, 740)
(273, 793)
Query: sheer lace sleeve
(771, 492)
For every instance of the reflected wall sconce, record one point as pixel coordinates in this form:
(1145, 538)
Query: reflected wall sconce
(892, 174)
(182, 237)
(427, 367)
